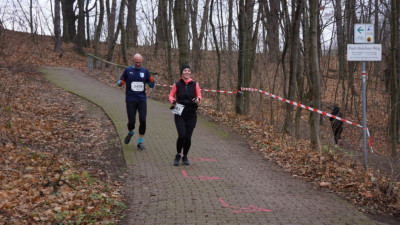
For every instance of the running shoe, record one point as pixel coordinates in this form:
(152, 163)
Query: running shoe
(128, 138)
(185, 160)
(141, 147)
(176, 160)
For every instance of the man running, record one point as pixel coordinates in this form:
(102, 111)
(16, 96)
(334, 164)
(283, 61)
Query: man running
(136, 78)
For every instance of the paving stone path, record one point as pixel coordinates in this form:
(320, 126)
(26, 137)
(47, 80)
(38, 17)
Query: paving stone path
(226, 183)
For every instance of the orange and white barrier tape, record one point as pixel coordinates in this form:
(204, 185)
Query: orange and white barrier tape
(216, 91)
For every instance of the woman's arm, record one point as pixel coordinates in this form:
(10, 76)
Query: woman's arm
(172, 94)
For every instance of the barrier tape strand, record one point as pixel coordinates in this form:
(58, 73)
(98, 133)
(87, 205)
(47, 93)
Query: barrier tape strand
(313, 110)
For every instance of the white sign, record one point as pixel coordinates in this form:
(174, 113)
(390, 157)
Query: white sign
(364, 52)
(364, 33)
(178, 109)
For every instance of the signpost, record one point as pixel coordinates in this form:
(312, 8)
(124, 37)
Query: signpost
(363, 33)
(364, 50)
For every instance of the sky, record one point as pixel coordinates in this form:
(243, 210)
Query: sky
(15, 16)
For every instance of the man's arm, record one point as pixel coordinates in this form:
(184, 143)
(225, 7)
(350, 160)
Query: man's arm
(121, 81)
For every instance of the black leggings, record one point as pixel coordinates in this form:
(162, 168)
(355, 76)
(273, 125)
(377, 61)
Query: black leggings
(337, 131)
(185, 125)
(131, 108)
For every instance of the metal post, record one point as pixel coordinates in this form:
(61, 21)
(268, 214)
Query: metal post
(364, 108)
(117, 71)
(91, 64)
(102, 68)
(109, 72)
(88, 62)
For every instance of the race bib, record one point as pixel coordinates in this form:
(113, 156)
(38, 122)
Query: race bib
(178, 109)
(137, 86)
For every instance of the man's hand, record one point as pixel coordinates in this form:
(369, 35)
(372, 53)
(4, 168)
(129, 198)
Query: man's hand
(120, 83)
(151, 79)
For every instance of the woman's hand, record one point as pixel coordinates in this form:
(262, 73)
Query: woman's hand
(196, 100)
(173, 104)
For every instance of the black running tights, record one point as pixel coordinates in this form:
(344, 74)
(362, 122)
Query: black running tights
(185, 126)
(131, 108)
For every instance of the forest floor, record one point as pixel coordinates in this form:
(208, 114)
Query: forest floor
(32, 186)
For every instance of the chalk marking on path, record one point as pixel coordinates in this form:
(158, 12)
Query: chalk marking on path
(184, 174)
(243, 210)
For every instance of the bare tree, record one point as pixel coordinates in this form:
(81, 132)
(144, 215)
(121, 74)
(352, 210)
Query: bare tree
(272, 25)
(69, 31)
(161, 23)
(1, 29)
(57, 27)
(131, 26)
(180, 22)
(198, 37)
(247, 50)
(218, 54)
(341, 44)
(31, 16)
(316, 80)
(81, 27)
(230, 24)
(98, 29)
(394, 78)
(87, 11)
(351, 19)
(123, 33)
(294, 54)
(111, 39)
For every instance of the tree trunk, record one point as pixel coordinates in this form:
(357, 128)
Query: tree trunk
(131, 26)
(294, 54)
(87, 24)
(218, 55)
(241, 36)
(394, 80)
(98, 29)
(397, 60)
(123, 33)
(180, 23)
(69, 31)
(168, 43)
(57, 27)
(247, 50)
(221, 25)
(341, 43)
(81, 27)
(161, 23)
(286, 32)
(316, 89)
(273, 30)
(198, 38)
(230, 24)
(31, 16)
(352, 19)
(2, 28)
(378, 40)
(114, 42)
(111, 14)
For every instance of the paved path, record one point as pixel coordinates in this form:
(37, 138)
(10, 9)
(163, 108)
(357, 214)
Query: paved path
(226, 183)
